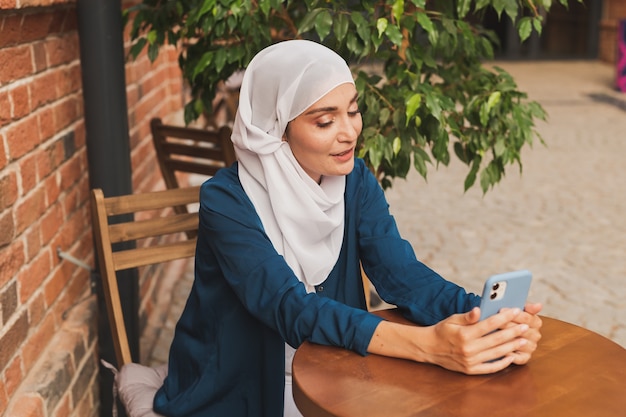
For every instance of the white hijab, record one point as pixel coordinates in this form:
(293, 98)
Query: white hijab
(303, 220)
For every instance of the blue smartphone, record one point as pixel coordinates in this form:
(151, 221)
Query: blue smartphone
(506, 290)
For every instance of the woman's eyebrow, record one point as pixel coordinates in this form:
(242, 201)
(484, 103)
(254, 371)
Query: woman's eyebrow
(329, 109)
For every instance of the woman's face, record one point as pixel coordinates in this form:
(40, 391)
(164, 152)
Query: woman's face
(323, 137)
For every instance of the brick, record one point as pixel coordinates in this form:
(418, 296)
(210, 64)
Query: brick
(64, 408)
(62, 50)
(53, 379)
(11, 26)
(76, 288)
(69, 145)
(20, 101)
(79, 133)
(51, 222)
(30, 209)
(36, 310)
(68, 80)
(68, 19)
(8, 301)
(31, 277)
(8, 189)
(28, 405)
(49, 159)
(40, 58)
(4, 399)
(36, 26)
(13, 375)
(86, 406)
(22, 137)
(51, 185)
(12, 339)
(44, 89)
(15, 63)
(36, 344)
(65, 112)
(11, 259)
(33, 242)
(55, 285)
(82, 318)
(71, 171)
(28, 172)
(5, 108)
(85, 375)
(7, 228)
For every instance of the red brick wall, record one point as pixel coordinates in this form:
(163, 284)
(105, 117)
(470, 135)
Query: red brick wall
(48, 354)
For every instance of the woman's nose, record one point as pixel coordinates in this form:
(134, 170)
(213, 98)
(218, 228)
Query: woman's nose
(350, 128)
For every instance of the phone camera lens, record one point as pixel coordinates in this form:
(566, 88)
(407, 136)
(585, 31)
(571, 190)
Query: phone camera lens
(493, 296)
(495, 286)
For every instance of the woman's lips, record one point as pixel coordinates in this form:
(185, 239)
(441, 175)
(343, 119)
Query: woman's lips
(347, 154)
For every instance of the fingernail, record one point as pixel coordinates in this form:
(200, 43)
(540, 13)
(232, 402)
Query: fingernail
(524, 327)
(516, 311)
(522, 342)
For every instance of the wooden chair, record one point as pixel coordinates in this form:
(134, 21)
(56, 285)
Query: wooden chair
(190, 150)
(169, 236)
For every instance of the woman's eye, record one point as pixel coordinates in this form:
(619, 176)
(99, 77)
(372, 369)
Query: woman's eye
(323, 124)
(354, 112)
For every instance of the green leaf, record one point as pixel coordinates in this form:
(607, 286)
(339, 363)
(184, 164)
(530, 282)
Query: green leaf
(494, 99)
(323, 23)
(205, 60)
(537, 21)
(432, 103)
(341, 25)
(381, 25)
(362, 27)
(419, 161)
(151, 36)
(394, 34)
(220, 59)
(396, 145)
(153, 52)
(462, 8)
(136, 49)
(470, 179)
(206, 6)
(499, 147)
(412, 104)
(426, 24)
(397, 10)
(383, 116)
(309, 21)
(524, 28)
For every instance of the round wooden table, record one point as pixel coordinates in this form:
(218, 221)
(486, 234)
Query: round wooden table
(574, 372)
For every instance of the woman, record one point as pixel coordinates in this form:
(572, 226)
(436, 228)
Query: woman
(277, 261)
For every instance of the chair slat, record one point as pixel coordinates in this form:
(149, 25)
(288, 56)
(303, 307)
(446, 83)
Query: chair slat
(153, 254)
(179, 132)
(215, 154)
(124, 232)
(151, 201)
(194, 167)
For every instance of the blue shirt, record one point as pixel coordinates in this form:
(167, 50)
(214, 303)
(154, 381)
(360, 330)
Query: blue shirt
(227, 356)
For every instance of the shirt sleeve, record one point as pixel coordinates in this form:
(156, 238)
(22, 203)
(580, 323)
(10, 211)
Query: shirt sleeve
(265, 284)
(390, 262)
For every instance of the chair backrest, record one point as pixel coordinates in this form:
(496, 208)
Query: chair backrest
(190, 150)
(168, 236)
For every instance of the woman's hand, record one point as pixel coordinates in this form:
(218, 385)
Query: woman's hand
(532, 335)
(465, 344)
(462, 343)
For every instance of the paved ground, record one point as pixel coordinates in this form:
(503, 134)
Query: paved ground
(564, 218)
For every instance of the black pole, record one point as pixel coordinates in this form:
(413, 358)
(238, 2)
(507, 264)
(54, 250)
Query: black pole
(100, 32)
